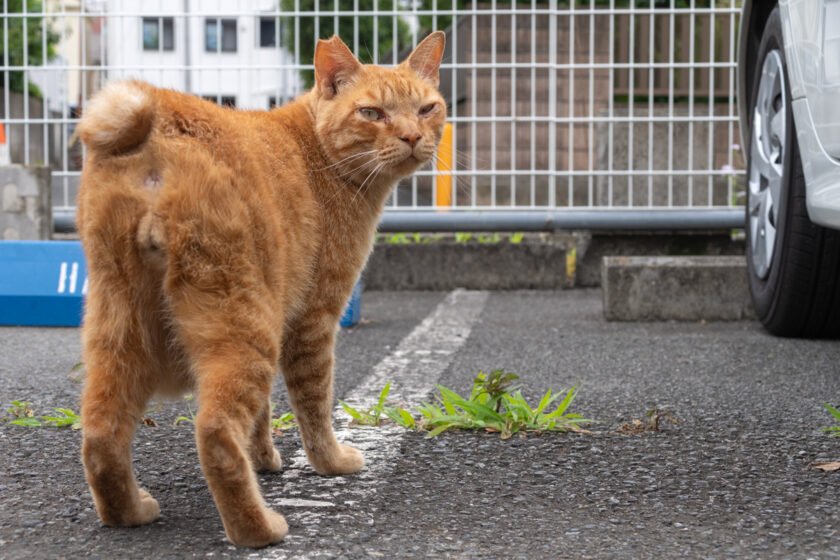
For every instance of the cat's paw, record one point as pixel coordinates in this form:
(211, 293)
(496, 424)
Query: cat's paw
(269, 462)
(149, 509)
(146, 511)
(343, 460)
(271, 530)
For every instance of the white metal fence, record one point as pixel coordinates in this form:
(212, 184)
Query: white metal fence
(575, 108)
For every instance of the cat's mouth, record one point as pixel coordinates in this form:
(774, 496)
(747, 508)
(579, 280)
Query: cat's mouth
(415, 158)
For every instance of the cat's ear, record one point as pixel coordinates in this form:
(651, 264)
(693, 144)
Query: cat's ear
(425, 58)
(335, 66)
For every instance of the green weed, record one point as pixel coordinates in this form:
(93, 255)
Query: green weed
(494, 405)
(283, 422)
(460, 237)
(836, 413)
(22, 414)
(495, 238)
(372, 415)
(191, 418)
(514, 415)
(66, 418)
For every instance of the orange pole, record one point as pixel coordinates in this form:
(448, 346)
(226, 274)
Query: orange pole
(445, 159)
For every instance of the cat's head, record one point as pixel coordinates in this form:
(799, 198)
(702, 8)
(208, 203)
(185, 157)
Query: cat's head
(378, 124)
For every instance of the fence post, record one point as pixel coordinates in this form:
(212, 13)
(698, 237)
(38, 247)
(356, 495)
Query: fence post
(444, 165)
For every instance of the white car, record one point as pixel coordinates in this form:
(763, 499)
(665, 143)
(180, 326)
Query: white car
(789, 103)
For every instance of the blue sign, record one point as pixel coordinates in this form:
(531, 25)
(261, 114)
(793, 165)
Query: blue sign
(43, 283)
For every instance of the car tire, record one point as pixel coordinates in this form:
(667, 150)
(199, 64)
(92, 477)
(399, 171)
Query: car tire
(794, 278)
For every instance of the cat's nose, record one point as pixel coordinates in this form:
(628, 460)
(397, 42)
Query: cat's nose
(411, 139)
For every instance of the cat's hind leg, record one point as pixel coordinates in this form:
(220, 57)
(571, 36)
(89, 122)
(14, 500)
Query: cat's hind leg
(119, 380)
(233, 386)
(110, 412)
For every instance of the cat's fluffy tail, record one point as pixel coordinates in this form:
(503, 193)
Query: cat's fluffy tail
(119, 117)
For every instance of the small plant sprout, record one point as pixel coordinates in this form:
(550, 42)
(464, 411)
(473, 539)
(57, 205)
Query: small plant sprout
(191, 418)
(22, 415)
(65, 417)
(835, 430)
(495, 238)
(494, 385)
(401, 417)
(516, 237)
(283, 422)
(371, 416)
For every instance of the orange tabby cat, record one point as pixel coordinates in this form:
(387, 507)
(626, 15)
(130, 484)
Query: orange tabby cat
(221, 243)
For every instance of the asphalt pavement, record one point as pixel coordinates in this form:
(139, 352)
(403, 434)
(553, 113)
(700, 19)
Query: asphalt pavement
(732, 479)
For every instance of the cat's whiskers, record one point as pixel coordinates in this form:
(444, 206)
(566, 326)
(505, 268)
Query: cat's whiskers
(346, 160)
(373, 173)
(462, 184)
(345, 181)
(356, 169)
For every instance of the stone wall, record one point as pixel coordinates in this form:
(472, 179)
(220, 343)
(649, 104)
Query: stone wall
(26, 212)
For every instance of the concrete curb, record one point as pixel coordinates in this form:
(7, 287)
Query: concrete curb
(676, 288)
(446, 265)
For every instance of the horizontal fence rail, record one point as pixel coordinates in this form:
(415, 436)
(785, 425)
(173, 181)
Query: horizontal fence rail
(575, 114)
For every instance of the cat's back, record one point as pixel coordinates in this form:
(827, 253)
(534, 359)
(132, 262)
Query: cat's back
(202, 172)
(135, 131)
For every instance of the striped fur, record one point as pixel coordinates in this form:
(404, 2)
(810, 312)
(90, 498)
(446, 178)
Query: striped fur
(222, 243)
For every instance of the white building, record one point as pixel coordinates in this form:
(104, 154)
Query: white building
(193, 46)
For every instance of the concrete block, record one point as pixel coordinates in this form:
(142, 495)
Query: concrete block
(676, 288)
(593, 247)
(26, 211)
(445, 265)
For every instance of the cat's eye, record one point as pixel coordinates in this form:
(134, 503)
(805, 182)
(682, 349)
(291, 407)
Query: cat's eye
(371, 114)
(427, 109)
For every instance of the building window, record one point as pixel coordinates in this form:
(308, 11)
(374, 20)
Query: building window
(223, 100)
(212, 40)
(271, 29)
(155, 29)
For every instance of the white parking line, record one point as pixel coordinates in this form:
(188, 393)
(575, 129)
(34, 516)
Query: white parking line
(413, 369)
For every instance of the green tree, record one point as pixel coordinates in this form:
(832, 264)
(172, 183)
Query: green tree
(347, 30)
(32, 30)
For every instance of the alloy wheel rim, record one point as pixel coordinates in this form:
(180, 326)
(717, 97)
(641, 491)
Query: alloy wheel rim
(767, 152)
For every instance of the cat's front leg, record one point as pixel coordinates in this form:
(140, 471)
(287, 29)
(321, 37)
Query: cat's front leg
(264, 457)
(307, 363)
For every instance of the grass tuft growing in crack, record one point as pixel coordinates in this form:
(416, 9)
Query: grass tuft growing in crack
(371, 416)
(494, 405)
